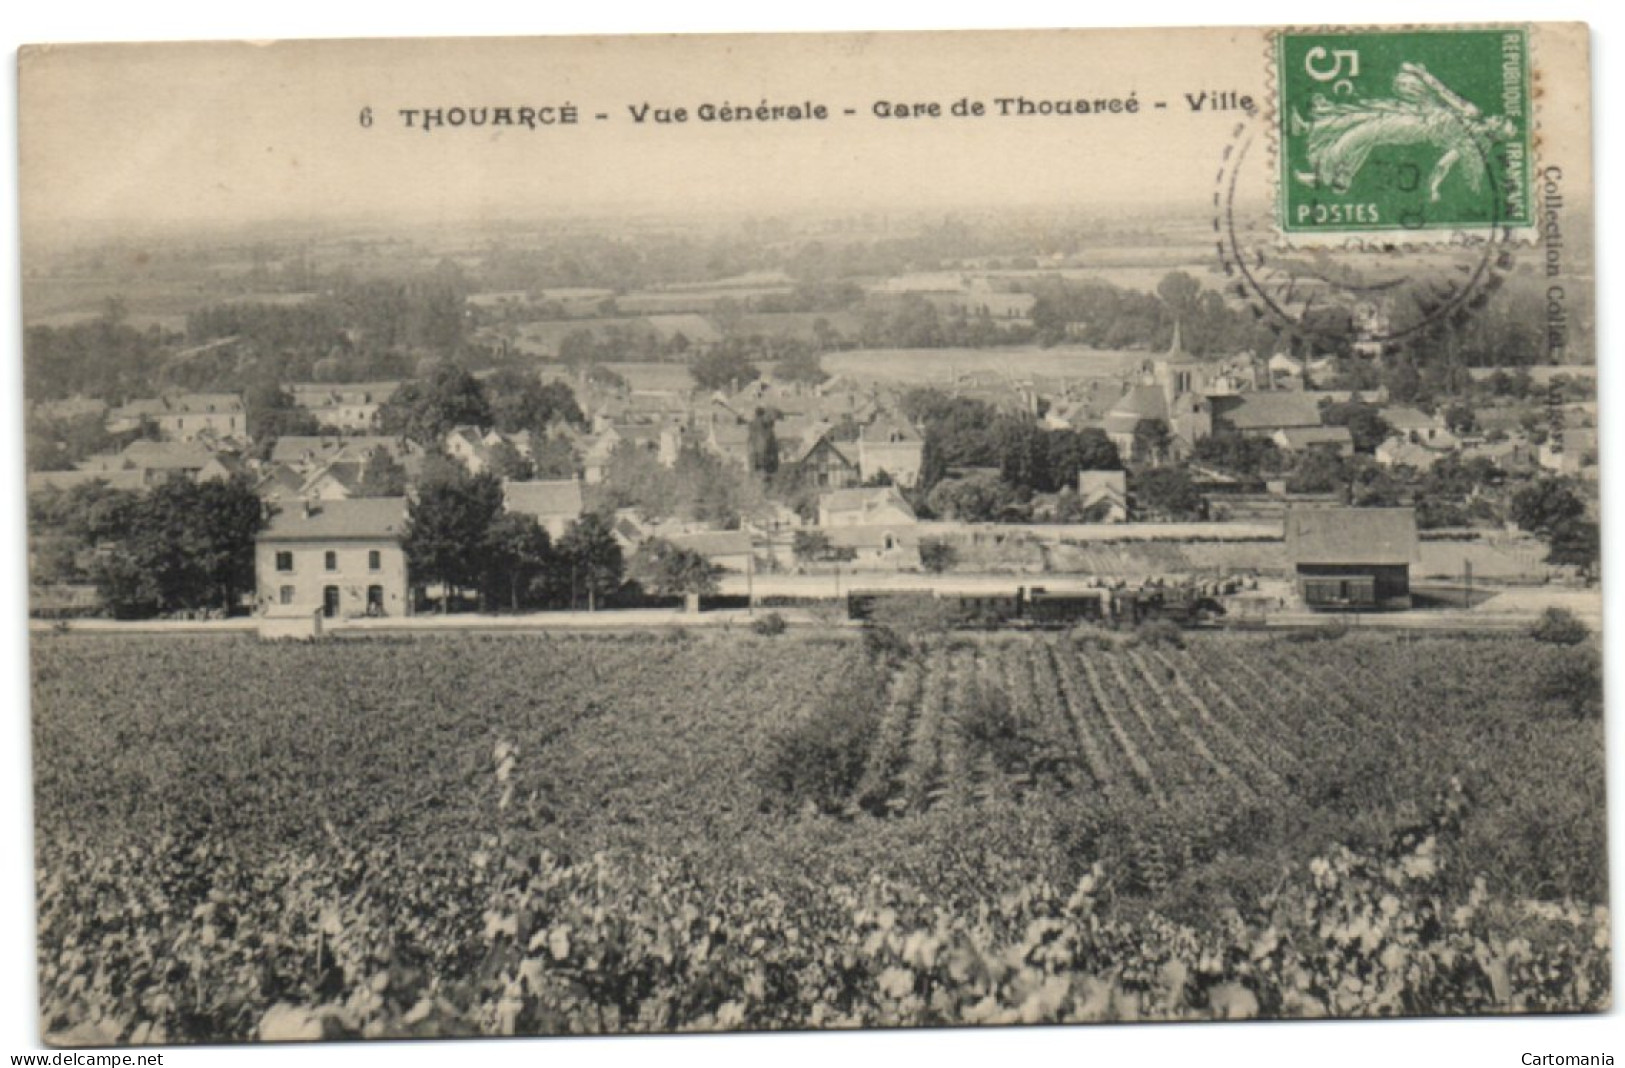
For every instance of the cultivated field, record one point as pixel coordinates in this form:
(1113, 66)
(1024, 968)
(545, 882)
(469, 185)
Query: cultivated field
(446, 834)
(935, 367)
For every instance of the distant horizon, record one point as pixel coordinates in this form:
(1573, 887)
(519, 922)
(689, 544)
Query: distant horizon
(587, 217)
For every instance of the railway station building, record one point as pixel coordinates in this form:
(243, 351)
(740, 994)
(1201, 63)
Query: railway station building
(336, 558)
(1352, 558)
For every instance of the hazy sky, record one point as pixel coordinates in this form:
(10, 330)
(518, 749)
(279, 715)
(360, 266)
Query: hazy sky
(240, 132)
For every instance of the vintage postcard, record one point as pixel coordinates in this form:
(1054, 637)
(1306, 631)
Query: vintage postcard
(658, 534)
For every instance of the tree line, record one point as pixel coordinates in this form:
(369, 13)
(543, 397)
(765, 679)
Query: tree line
(181, 546)
(460, 537)
(980, 464)
(187, 547)
(352, 330)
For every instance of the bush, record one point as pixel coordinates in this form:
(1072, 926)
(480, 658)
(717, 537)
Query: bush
(1571, 683)
(770, 625)
(885, 645)
(937, 555)
(990, 726)
(1086, 636)
(1559, 626)
(1160, 632)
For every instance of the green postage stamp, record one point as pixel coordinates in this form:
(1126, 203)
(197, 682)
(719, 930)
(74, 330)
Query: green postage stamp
(1404, 130)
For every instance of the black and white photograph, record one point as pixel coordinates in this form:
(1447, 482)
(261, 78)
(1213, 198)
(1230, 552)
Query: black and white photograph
(544, 536)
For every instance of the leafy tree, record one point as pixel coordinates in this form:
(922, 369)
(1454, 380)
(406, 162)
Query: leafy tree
(1461, 419)
(977, 498)
(933, 462)
(635, 478)
(724, 367)
(272, 414)
(667, 570)
(1366, 425)
(1320, 471)
(1067, 507)
(1543, 505)
(382, 476)
(521, 401)
(591, 556)
(42, 451)
(1404, 383)
(801, 364)
(604, 378)
(103, 357)
(438, 467)
(763, 444)
(713, 490)
(126, 587)
(1370, 485)
(1168, 493)
(809, 546)
(814, 547)
(91, 514)
(937, 555)
(958, 431)
(447, 529)
(1559, 626)
(1022, 450)
(507, 463)
(220, 538)
(552, 457)
(1152, 439)
(1576, 542)
(825, 336)
(53, 558)
(913, 322)
(1072, 451)
(1435, 514)
(1179, 292)
(518, 559)
(1107, 316)
(425, 410)
(58, 444)
(1239, 454)
(183, 546)
(1452, 478)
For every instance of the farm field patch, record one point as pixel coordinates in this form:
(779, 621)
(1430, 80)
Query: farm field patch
(292, 821)
(937, 366)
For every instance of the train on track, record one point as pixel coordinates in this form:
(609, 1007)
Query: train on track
(1037, 608)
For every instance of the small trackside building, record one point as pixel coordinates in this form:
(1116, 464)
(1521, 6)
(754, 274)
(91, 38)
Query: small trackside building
(1352, 558)
(341, 559)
